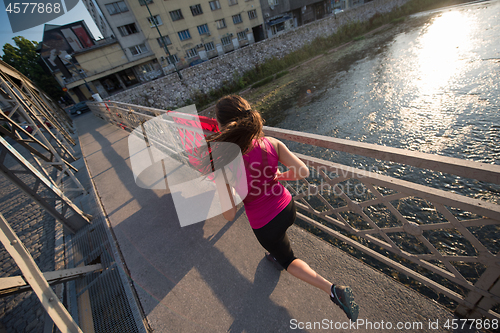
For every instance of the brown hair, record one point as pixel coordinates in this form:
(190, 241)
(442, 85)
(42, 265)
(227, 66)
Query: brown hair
(240, 124)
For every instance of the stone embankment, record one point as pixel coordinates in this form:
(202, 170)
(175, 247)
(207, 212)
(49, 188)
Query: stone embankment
(170, 92)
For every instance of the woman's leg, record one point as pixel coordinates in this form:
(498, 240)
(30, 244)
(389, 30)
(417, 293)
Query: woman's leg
(273, 238)
(300, 269)
(340, 295)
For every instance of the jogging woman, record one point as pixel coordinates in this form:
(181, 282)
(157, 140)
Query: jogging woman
(269, 206)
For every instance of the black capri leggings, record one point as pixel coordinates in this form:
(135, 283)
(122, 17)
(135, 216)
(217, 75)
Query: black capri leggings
(273, 236)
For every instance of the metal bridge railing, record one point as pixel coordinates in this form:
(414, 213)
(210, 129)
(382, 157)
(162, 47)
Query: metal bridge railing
(375, 221)
(376, 217)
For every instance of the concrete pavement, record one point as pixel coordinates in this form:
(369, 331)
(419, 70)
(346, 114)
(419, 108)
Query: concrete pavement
(212, 276)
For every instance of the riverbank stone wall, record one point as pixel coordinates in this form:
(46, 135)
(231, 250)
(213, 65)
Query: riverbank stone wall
(169, 92)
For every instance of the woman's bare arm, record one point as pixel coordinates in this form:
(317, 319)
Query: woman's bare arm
(225, 196)
(296, 168)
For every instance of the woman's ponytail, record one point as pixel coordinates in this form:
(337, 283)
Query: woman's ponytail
(240, 124)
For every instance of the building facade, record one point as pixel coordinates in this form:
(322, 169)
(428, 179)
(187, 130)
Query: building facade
(184, 33)
(98, 17)
(283, 15)
(84, 66)
(146, 39)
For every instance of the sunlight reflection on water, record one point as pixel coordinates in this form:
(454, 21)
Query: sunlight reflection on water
(429, 84)
(440, 55)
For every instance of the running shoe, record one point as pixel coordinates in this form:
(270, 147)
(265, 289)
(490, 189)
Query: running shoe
(274, 261)
(342, 296)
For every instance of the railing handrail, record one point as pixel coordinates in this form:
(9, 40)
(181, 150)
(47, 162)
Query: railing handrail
(476, 206)
(464, 168)
(133, 106)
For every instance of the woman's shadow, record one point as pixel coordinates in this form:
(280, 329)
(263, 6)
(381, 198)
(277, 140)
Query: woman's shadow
(167, 255)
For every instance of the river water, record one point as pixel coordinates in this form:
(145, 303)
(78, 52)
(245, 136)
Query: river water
(428, 84)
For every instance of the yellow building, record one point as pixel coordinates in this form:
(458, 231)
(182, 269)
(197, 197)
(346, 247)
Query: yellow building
(197, 30)
(106, 69)
(84, 66)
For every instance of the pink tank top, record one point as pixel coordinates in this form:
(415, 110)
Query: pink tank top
(266, 197)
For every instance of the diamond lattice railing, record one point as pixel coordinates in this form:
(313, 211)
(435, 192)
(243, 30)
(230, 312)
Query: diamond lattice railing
(423, 232)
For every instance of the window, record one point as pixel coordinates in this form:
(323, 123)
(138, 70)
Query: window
(143, 2)
(116, 7)
(252, 14)
(277, 28)
(233, 2)
(138, 49)
(203, 29)
(166, 41)
(214, 5)
(176, 15)
(226, 40)
(154, 20)
(184, 34)
(242, 35)
(273, 3)
(128, 29)
(196, 10)
(209, 46)
(237, 19)
(172, 59)
(191, 53)
(220, 24)
(147, 68)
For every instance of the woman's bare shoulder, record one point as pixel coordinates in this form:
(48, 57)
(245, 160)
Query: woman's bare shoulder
(272, 140)
(275, 142)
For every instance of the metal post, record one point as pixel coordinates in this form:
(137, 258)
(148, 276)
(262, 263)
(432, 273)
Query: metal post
(70, 59)
(70, 215)
(162, 40)
(36, 280)
(29, 112)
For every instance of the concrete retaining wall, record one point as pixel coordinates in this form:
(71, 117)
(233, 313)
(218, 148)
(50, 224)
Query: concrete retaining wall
(169, 92)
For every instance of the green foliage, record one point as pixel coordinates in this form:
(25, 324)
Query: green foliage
(397, 20)
(238, 80)
(281, 74)
(263, 82)
(25, 59)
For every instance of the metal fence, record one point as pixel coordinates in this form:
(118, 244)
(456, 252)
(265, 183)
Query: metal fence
(373, 219)
(36, 156)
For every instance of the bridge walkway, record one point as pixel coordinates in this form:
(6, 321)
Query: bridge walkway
(212, 276)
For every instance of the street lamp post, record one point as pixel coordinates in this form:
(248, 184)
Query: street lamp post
(70, 60)
(162, 40)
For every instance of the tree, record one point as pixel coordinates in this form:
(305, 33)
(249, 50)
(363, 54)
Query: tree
(25, 59)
